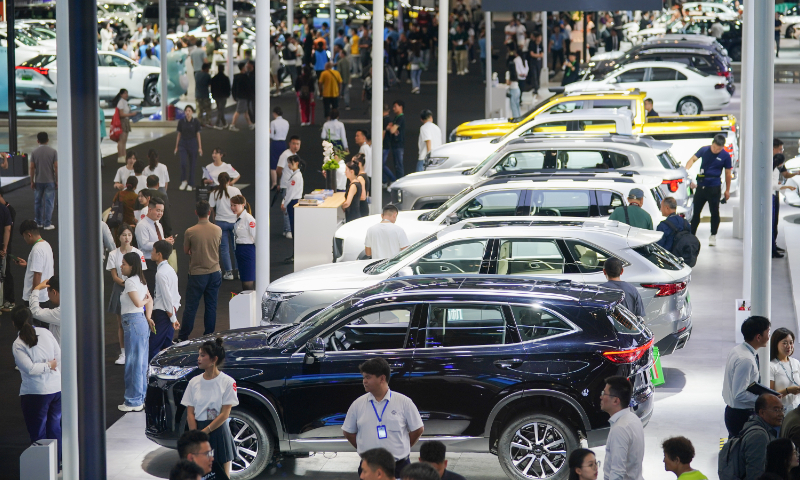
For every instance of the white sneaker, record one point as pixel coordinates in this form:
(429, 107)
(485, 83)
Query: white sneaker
(120, 360)
(50, 227)
(252, 126)
(188, 188)
(228, 276)
(126, 408)
(233, 128)
(289, 235)
(712, 240)
(183, 185)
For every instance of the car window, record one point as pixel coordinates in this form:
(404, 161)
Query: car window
(674, 58)
(662, 74)
(529, 256)
(580, 159)
(519, 161)
(464, 256)
(112, 61)
(561, 203)
(680, 76)
(613, 104)
(376, 329)
(566, 106)
(575, 126)
(589, 259)
(607, 202)
(659, 256)
(625, 321)
(491, 204)
(535, 323)
(700, 62)
(458, 325)
(634, 75)
(667, 160)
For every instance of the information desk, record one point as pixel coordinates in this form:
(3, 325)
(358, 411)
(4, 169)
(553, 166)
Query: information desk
(314, 228)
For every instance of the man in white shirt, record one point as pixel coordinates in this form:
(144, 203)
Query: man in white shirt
(278, 131)
(370, 424)
(430, 137)
(625, 444)
(148, 232)
(742, 369)
(385, 239)
(50, 316)
(167, 300)
(40, 263)
(364, 142)
(283, 180)
(333, 130)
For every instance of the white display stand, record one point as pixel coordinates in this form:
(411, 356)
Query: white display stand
(501, 107)
(39, 461)
(741, 316)
(243, 310)
(314, 228)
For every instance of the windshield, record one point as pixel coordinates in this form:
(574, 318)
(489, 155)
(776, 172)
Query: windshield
(384, 266)
(660, 257)
(425, 217)
(42, 33)
(24, 38)
(530, 112)
(293, 335)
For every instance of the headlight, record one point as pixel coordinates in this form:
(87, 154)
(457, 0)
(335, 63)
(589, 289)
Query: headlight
(435, 161)
(170, 373)
(399, 195)
(270, 303)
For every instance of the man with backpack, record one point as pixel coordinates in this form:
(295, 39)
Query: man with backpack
(677, 237)
(745, 455)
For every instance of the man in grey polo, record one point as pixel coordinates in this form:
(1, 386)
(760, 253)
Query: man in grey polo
(43, 170)
(634, 215)
(371, 421)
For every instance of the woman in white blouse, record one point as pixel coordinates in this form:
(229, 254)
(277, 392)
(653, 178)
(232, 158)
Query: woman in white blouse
(136, 306)
(158, 169)
(244, 231)
(38, 358)
(220, 200)
(217, 166)
(784, 371)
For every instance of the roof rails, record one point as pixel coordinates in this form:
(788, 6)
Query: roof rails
(630, 91)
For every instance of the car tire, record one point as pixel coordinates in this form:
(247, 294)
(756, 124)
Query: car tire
(152, 96)
(689, 106)
(547, 459)
(250, 434)
(789, 32)
(36, 104)
(736, 53)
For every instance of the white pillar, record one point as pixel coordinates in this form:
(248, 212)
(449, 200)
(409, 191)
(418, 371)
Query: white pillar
(441, 76)
(262, 180)
(162, 34)
(290, 16)
(229, 35)
(763, 96)
(378, 18)
(545, 78)
(66, 261)
(487, 21)
(746, 151)
(332, 25)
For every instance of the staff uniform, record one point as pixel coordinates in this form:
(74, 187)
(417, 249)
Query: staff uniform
(51, 316)
(283, 162)
(786, 374)
(122, 174)
(366, 150)
(386, 239)
(294, 192)
(148, 232)
(624, 447)
(333, 130)
(39, 260)
(187, 148)
(366, 414)
(224, 219)
(741, 369)
(214, 171)
(168, 300)
(137, 334)
(208, 397)
(709, 185)
(161, 172)
(114, 262)
(245, 234)
(428, 131)
(278, 131)
(40, 392)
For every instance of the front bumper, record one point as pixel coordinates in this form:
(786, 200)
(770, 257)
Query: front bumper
(165, 417)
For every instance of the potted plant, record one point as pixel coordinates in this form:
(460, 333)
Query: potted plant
(330, 165)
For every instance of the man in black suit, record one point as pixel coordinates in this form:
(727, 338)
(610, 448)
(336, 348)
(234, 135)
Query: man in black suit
(612, 41)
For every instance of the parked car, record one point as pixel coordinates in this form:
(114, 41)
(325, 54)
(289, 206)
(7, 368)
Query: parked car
(26, 47)
(674, 87)
(194, 12)
(505, 365)
(127, 11)
(720, 10)
(37, 78)
(731, 38)
(588, 195)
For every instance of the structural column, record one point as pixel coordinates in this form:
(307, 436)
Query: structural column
(487, 21)
(229, 35)
(12, 78)
(332, 25)
(290, 16)
(545, 75)
(378, 18)
(162, 41)
(761, 217)
(441, 75)
(263, 116)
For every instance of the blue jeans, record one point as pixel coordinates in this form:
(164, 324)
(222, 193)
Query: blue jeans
(42, 414)
(44, 201)
(137, 346)
(514, 100)
(206, 286)
(420, 165)
(397, 153)
(416, 76)
(225, 246)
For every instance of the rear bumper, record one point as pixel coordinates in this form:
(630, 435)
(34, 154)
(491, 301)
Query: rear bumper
(674, 341)
(33, 93)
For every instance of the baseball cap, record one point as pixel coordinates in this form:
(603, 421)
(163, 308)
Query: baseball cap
(636, 193)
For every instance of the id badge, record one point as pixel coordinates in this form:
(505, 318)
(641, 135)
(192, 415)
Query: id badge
(381, 432)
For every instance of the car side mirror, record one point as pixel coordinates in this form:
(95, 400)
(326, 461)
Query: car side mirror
(452, 219)
(404, 272)
(315, 350)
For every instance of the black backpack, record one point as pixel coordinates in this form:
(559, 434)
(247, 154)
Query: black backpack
(684, 244)
(116, 215)
(730, 463)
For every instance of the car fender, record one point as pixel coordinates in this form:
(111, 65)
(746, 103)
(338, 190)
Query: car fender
(507, 400)
(269, 406)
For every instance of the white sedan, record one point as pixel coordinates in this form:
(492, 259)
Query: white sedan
(674, 87)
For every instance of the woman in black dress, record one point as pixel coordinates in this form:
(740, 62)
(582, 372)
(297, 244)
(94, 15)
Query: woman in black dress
(366, 184)
(352, 204)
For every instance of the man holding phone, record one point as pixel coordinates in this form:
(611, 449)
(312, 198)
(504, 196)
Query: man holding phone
(40, 264)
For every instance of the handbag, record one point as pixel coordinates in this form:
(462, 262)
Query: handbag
(115, 214)
(116, 126)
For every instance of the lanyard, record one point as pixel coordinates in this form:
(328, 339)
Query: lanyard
(791, 369)
(380, 417)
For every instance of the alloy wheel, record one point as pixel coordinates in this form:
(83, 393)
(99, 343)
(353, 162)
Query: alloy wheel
(538, 450)
(245, 444)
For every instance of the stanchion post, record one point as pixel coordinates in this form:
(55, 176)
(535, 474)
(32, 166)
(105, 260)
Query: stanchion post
(378, 18)
(12, 78)
(441, 75)
(262, 148)
(487, 21)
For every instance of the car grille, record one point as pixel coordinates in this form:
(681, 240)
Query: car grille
(155, 408)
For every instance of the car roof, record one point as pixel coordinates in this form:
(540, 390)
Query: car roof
(609, 179)
(653, 64)
(688, 38)
(589, 113)
(585, 139)
(630, 93)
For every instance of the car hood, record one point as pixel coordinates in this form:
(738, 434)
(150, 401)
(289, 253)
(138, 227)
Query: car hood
(447, 175)
(588, 85)
(359, 227)
(486, 121)
(469, 148)
(607, 55)
(331, 276)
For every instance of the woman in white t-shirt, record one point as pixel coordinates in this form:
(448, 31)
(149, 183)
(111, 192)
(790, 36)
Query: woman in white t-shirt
(136, 306)
(784, 371)
(224, 218)
(121, 103)
(244, 231)
(157, 169)
(209, 399)
(213, 169)
(114, 265)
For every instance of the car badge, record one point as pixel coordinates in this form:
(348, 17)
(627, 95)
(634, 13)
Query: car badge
(585, 392)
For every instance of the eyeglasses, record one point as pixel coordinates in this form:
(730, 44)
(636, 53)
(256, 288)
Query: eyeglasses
(209, 454)
(604, 394)
(592, 464)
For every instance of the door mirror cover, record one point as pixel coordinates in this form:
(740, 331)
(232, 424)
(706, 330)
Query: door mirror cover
(452, 219)
(315, 348)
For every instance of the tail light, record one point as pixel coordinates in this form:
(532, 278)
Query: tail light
(729, 148)
(666, 289)
(719, 86)
(726, 74)
(733, 128)
(628, 356)
(43, 71)
(672, 184)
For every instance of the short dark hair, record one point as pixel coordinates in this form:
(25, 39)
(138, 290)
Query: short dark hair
(294, 137)
(755, 325)
(776, 142)
(190, 441)
(425, 114)
(138, 167)
(278, 111)
(432, 452)
(390, 209)
(613, 267)
(399, 103)
(376, 366)
(163, 247)
(202, 208)
(152, 181)
(671, 203)
(621, 388)
(648, 99)
(131, 182)
(28, 226)
(129, 153)
(420, 471)
(719, 140)
(185, 470)
(365, 133)
(678, 448)
(154, 202)
(334, 113)
(761, 402)
(42, 137)
(380, 458)
(53, 284)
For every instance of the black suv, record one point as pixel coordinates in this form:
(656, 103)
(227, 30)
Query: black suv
(509, 366)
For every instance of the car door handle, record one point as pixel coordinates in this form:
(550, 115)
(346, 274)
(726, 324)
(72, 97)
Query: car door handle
(508, 363)
(443, 268)
(398, 364)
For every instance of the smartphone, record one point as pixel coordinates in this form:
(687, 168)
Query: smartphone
(12, 256)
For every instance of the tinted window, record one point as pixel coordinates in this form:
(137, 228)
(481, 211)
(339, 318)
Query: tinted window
(625, 322)
(700, 62)
(635, 75)
(566, 106)
(607, 202)
(458, 257)
(533, 323)
(662, 74)
(668, 161)
(529, 256)
(463, 326)
(659, 256)
(381, 329)
(680, 76)
(588, 258)
(580, 159)
(561, 203)
(518, 161)
(491, 204)
(613, 104)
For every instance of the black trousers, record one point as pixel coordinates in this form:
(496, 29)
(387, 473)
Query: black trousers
(702, 196)
(776, 209)
(221, 102)
(534, 74)
(735, 418)
(150, 277)
(399, 465)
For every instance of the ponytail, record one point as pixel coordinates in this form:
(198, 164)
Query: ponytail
(153, 159)
(301, 165)
(214, 349)
(223, 180)
(21, 316)
(240, 200)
